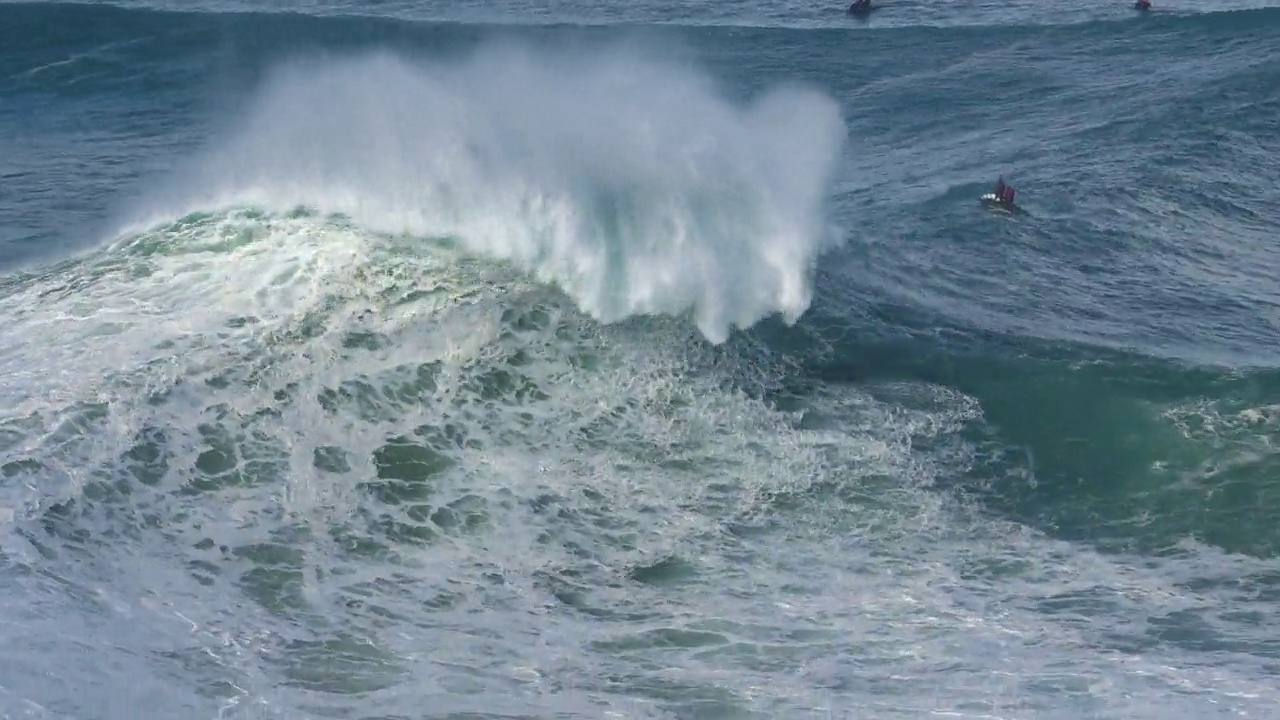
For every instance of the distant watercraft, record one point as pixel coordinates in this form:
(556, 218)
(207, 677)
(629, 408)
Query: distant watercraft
(995, 202)
(862, 9)
(1001, 198)
(1142, 5)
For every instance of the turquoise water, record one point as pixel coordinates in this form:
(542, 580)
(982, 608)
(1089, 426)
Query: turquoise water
(385, 360)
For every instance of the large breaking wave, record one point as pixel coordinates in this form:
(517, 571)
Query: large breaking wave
(633, 184)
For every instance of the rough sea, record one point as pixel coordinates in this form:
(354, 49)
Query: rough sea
(391, 360)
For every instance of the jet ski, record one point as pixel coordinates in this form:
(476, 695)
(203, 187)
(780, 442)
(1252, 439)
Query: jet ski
(994, 202)
(1001, 197)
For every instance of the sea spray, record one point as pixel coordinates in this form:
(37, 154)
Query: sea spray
(630, 182)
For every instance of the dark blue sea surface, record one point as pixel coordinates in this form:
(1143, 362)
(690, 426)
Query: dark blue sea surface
(642, 360)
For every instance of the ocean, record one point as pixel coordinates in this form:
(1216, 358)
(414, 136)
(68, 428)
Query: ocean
(386, 360)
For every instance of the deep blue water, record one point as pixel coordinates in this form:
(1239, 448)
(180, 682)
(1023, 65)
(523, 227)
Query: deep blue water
(390, 360)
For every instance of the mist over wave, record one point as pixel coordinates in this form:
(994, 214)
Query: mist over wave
(631, 183)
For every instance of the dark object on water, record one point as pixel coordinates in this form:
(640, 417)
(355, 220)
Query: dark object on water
(862, 8)
(1142, 5)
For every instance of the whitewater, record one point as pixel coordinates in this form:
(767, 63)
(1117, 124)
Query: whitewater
(383, 361)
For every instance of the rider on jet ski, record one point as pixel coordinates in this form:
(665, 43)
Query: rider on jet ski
(1004, 192)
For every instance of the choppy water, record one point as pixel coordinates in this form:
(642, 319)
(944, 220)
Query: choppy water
(651, 360)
